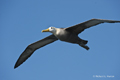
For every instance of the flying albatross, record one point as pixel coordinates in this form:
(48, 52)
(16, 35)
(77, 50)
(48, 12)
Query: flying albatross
(69, 34)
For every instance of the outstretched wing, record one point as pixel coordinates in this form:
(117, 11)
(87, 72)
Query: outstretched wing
(32, 47)
(82, 26)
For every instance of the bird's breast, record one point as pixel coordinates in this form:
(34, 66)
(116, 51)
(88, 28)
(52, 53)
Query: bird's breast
(67, 37)
(62, 35)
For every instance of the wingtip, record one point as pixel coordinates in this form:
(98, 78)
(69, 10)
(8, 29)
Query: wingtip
(15, 67)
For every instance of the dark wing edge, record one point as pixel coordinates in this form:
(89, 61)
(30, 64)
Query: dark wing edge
(92, 22)
(32, 47)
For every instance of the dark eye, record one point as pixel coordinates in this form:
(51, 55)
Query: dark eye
(51, 27)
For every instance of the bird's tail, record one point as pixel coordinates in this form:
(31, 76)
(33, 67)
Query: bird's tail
(84, 41)
(83, 44)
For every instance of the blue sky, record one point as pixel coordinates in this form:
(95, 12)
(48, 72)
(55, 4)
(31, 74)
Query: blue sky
(21, 22)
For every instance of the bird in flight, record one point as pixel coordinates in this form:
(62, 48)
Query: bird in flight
(69, 34)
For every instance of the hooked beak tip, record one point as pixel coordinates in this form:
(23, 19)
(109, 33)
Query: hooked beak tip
(46, 30)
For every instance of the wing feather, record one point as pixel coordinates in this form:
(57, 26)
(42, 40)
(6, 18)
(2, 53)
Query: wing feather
(82, 26)
(32, 47)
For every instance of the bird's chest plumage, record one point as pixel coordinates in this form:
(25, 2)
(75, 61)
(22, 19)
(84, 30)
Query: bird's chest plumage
(66, 36)
(62, 35)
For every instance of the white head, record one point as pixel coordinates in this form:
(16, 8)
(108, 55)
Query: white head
(50, 29)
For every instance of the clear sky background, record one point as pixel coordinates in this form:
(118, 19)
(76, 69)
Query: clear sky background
(21, 22)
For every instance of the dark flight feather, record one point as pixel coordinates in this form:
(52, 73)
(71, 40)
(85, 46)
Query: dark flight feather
(82, 26)
(32, 47)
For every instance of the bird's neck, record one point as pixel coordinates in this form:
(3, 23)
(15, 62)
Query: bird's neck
(56, 31)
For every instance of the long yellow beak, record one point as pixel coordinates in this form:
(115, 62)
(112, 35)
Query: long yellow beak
(46, 30)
